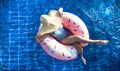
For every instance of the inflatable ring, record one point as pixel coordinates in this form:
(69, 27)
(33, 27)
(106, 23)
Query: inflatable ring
(65, 52)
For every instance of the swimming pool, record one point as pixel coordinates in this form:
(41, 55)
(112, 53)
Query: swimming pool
(19, 22)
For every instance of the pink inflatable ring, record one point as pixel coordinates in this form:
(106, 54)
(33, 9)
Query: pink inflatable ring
(65, 52)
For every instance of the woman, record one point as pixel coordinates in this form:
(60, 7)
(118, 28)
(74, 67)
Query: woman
(59, 32)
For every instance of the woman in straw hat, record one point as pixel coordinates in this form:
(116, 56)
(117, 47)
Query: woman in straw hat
(52, 25)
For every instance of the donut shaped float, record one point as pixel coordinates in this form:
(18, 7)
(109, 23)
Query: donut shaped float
(65, 52)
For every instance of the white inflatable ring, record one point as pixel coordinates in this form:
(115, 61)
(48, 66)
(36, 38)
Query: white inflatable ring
(64, 52)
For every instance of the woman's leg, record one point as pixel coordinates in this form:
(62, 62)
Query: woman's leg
(77, 38)
(80, 50)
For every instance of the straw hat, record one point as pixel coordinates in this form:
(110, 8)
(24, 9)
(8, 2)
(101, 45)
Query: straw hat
(51, 22)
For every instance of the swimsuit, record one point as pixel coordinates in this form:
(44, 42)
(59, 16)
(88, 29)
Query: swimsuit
(60, 33)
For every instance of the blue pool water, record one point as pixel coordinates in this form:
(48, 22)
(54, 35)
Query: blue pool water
(19, 22)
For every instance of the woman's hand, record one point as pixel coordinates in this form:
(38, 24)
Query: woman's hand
(60, 11)
(39, 37)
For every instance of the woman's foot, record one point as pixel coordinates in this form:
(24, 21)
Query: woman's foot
(84, 60)
(102, 41)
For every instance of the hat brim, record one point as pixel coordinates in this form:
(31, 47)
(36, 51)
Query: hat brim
(52, 24)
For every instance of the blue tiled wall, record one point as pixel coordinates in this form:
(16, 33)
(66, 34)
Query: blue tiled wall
(19, 22)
